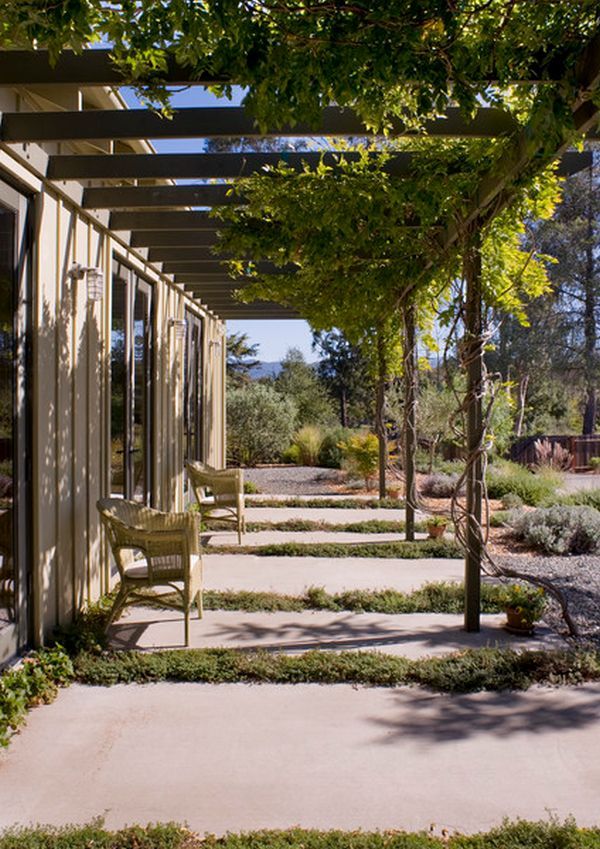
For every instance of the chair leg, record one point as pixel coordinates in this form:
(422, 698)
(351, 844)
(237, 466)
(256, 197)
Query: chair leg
(199, 604)
(118, 605)
(187, 625)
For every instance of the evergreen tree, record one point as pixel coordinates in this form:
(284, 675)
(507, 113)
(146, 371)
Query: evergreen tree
(299, 382)
(241, 358)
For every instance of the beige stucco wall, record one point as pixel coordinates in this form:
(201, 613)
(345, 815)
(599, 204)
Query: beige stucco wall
(70, 396)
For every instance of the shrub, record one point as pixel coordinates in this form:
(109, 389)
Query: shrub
(330, 454)
(533, 489)
(595, 464)
(582, 498)
(307, 442)
(552, 455)
(511, 501)
(560, 530)
(260, 423)
(499, 518)
(361, 455)
(250, 488)
(36, 681)
(439, 485)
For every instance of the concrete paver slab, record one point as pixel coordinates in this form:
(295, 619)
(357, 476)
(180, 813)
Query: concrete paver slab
(237, 757)
(293, 575)
(411, 635)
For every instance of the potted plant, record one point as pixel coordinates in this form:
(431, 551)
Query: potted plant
(436, 526)
(394, 491)
(523, 607)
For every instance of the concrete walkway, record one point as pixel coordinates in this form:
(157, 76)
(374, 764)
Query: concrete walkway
(293, 575)
(237, 757)
(410, 635)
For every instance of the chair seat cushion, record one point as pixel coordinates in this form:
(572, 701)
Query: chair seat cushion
(168, 568)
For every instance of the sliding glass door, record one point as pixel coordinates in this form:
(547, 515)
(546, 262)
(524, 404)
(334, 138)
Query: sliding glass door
(192, 408)
(14, 438)
(131, 385)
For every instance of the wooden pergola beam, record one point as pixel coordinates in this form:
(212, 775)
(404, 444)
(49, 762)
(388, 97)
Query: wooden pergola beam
(96, 68)
(201, 166)
(228, 122)
(139, 197)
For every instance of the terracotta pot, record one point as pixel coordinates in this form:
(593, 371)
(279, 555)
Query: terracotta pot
(518, 623)
(395, 494)
(436, 531)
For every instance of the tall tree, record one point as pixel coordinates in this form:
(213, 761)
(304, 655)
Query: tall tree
(298, 381)
(241, 358)
(344, 371)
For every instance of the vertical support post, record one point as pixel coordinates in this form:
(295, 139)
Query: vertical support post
(379, 413)
(473, 359)
(410, 418)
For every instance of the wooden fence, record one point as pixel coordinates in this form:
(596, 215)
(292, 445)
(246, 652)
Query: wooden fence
(583, 448)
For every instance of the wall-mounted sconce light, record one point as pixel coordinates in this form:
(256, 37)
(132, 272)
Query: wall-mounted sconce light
(216, 344)
(95, 279)
(180, 325)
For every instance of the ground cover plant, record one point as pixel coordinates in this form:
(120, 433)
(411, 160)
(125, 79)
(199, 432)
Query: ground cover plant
(340, 503)
(533, 489)
(439, 597)
(34, 682)
(467, 671)
(559, 529)
(521, 834)
(583, 498)
(401, 550)
(370, 526)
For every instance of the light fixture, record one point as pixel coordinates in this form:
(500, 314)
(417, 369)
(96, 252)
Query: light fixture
(95, 279)
(180, 325)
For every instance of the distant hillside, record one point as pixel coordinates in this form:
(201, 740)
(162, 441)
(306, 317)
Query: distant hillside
(266, 370)
(269, 370)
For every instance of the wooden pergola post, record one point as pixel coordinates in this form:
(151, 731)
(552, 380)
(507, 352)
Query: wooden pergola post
(473, 363)
(410, 418)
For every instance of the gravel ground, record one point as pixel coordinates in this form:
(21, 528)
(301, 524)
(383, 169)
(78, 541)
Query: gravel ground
(293, 480)
(578, 578)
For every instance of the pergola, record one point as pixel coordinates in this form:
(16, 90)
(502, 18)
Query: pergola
(170, 222)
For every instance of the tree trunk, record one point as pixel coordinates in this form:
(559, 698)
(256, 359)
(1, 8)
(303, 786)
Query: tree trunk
(473, 362)
(410, 418)
(523, 385)
(343, 408)
(379, 414)
(589, 322)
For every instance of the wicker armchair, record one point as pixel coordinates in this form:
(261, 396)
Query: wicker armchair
(170, 545)
(219, 493)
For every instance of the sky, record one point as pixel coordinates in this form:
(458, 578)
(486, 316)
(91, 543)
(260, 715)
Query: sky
(276, 336)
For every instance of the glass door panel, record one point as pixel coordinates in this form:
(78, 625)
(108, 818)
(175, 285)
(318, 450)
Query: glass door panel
(14, 442)
(193, 413)
(142, 392)
(131, 386)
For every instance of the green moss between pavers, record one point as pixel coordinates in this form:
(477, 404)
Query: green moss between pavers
(511, 835)
(389, 550)
(439, 597)
(339, 503)
(467, 671)
(369, 526)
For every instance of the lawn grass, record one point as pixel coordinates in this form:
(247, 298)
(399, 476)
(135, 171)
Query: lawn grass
(551, 834)
(467, 671)
(400, 550)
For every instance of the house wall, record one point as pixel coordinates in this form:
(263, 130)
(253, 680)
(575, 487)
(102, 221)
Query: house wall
(70, 395)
